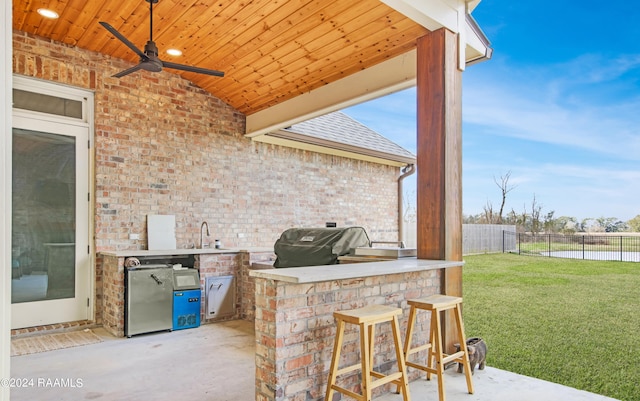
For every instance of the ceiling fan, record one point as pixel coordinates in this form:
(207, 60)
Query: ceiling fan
(149, 60)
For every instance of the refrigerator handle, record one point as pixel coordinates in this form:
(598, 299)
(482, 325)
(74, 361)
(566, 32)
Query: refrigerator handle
(156, 279)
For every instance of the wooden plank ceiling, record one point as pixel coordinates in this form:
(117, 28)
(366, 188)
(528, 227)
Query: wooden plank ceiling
(270, 50)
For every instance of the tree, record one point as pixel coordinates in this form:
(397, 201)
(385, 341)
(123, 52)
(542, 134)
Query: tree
(535, 216)
(520, 220)
(487, 211)
(511, 218)
(634, 224)
(583, 226)
(567, 225)
(550, 224)
(409, 210)
(505, 188)
(616, 227)
(601, 224)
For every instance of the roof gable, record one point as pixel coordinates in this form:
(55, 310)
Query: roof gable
(339, 132)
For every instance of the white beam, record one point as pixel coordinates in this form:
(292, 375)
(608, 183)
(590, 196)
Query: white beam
(5, 198)
(432, 14)
(382, 79)
(450, 14)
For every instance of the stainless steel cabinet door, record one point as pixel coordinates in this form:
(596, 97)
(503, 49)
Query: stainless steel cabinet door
(149, 300)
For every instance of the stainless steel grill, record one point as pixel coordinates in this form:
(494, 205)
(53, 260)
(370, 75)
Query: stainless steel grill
(317, 246)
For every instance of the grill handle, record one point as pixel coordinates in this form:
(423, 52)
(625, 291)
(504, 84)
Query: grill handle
(398, 243)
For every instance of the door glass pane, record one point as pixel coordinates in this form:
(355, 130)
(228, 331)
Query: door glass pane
(43, 230)
(26, 100)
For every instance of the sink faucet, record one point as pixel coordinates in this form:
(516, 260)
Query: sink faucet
(202, 244)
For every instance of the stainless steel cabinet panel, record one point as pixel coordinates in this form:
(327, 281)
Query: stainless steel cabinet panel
(149, 300)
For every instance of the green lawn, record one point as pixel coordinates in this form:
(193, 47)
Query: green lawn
(572, 322)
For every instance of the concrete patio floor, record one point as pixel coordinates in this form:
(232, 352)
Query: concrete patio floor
(215, 362)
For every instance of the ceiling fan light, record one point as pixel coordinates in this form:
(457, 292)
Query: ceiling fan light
(48, 13)
(174, 52)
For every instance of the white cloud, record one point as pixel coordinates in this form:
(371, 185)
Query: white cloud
(569, 105)
(568, 132)
(595, 68)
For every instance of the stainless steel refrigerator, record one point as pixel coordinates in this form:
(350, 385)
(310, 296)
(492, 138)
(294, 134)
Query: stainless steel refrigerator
(149, 296)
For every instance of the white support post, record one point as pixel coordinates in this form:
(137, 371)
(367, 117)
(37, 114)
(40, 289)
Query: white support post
(5, 198)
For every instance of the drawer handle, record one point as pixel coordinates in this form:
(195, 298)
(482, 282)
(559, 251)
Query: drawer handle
(157, 280)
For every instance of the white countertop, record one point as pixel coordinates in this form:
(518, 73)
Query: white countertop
(188, 251)
(313, 274)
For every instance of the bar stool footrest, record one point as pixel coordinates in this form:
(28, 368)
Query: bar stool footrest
(457, 357)
(424, 368)
(348, 392)
(384, 379)
(348, 369)
(418, 349)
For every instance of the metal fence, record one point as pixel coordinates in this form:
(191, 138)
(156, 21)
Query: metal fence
(589, 247)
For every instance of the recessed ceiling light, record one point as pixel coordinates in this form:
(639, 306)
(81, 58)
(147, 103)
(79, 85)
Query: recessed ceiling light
(48, 13)
(174, 52)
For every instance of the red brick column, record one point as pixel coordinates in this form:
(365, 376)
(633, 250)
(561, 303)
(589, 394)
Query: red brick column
(112, 305)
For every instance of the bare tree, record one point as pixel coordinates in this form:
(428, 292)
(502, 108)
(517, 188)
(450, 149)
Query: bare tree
(535, 215)
(550, 224)
(505, 188)
(410, 212)
(512, 218)
(488, 212)
(523, 218)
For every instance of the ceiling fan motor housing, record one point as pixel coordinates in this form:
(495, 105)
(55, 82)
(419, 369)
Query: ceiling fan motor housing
(152, 64)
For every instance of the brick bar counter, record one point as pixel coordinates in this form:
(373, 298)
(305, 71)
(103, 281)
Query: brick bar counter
(295, 328)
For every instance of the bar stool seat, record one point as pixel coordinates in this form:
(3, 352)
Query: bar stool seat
(366, 318)
(437, 359)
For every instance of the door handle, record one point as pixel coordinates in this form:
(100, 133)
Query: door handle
(156, 279)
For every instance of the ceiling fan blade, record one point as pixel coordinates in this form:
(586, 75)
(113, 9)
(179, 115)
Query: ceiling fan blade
(127, 71)
(192, 69)
(124, 40)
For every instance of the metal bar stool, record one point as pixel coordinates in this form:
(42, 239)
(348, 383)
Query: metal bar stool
(437, 359)
(367, 317)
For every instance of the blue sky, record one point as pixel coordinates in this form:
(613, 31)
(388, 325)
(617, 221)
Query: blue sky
(558, 105)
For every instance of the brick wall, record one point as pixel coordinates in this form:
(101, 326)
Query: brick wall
(247, 283)
(165, 146)
(295, 331)
(110, 306)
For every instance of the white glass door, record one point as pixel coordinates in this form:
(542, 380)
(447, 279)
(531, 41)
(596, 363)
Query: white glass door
(50, 222)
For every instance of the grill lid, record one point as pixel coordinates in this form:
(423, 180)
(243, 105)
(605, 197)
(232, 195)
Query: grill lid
(317, 246)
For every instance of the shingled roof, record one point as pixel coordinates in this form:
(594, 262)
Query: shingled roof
(339, 131)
